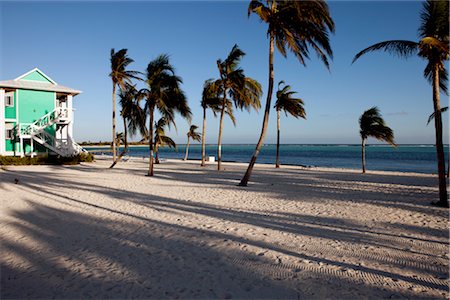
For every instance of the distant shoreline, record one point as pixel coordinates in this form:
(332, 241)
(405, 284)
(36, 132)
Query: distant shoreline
(288, 144)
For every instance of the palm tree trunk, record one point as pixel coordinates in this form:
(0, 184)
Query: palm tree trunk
(443, 197)
(187, 150)
(204, 138)
(363, 155)
(150, 143)
(277, 163)
(114, 121)
(156, 153)
(219, 141)
(125, 132)
(125, 136)
(248, 173)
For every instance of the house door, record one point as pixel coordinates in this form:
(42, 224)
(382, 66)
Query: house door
(61, 102)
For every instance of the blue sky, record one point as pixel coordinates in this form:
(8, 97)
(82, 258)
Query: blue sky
(71, 41)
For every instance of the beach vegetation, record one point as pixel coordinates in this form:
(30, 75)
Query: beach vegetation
(47, 159)
(133, 116)
(162, 93)
(120, 77)
(433, 46)
(194, 135)
(293, 26)
(161, 139)
(210, 99)
(371, 124)
(290, 105)
(244, 92)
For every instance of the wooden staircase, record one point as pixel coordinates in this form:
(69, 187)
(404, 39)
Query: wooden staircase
(37, 132)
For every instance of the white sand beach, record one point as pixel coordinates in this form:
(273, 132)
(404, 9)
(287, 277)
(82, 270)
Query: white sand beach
(87, 231)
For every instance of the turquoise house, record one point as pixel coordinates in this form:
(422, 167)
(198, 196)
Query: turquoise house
(36, 116)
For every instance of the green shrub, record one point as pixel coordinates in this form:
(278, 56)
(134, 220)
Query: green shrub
(14, 160)
(46, 160)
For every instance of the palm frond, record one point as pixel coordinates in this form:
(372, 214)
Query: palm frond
(435, 20)
(286, 102)
(167, 141)
(431, 117)
(245, 92)
(298, 25)
(371, 124)
(119, 62)
(193, 134)
(400, 48)
(163, 91)
(443, 76)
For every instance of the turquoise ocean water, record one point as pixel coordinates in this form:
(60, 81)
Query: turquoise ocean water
(404, 158)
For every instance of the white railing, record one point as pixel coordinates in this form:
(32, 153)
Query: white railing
(52, 117)
(36, 131)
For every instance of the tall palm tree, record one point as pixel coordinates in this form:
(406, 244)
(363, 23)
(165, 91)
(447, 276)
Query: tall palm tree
(210, 99)
(120, 77)
(194, 135)
(430, 118)
(290, 105)
(433, 46)
(161, 139)
(243, 91)
(163, 93)
(371, 124)
(133, 117)
(296, 25)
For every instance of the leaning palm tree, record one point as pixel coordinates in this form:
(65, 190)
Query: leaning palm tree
(430, 118)
(371, 124)
(210, 99)
(434, 48)
(120, 77)
(194, 135)
(161, 139)
(163, 93)
(296, 25)
(290, 105)
(243, 91)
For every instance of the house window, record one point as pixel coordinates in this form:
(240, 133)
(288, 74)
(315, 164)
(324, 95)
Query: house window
(9, 134)
(9, 99)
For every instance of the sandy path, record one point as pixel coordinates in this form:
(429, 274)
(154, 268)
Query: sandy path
(90, 232)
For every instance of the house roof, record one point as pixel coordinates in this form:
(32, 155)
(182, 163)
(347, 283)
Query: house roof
(47, 84)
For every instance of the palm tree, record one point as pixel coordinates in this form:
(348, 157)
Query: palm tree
(243, 91)
(194, 135)
(133, 117)
(119, 139)
(120, 77)
(164, 94)
(161, 139)
(293, 106)
(296, 25)
(210, 99)
(433, 46)
(371, 124)
(430, 118)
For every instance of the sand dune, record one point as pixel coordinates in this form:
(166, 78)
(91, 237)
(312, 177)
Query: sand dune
(189, 232)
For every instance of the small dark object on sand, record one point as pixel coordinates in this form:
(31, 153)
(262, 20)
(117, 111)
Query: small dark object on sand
(16, 180)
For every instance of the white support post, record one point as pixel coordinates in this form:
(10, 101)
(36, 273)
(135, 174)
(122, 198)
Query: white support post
(22, 148)
(32, 147)
(70, 125)
(70, 112)
(2, 123)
